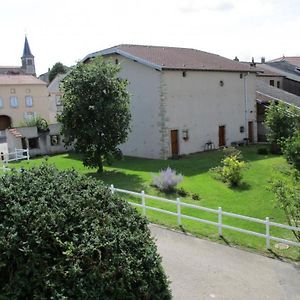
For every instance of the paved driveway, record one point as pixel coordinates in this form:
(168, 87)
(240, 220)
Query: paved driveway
(200, 269)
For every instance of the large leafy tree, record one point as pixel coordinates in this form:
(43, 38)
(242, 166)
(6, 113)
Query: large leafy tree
(58, 68)
(281, 121)
(96, 113)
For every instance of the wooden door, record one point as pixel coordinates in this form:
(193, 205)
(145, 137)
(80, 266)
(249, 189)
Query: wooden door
(250, 132)
(222, 141)
(174, 143)
(4, 122)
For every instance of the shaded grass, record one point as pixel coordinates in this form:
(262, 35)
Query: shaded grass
(253, 198)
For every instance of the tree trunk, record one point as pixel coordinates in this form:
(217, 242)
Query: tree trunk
(100, 166)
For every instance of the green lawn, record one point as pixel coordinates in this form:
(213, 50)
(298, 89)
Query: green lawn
(252, 199)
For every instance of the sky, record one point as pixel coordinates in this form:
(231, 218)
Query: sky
(68, 30)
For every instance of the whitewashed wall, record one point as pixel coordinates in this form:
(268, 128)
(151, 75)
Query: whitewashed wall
(200, 104)
(144, 86)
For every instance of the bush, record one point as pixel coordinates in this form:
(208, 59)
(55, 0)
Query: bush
(167, 180)
(231, 170)
(182, 192)
(232, 151)
(65, 236)
(262, 151)
(39, 122)
(196, 197)
(291, 150)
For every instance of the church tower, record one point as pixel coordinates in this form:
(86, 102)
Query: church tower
(28, 65)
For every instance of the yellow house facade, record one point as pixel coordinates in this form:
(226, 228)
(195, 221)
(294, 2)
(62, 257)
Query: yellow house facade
(22, 97)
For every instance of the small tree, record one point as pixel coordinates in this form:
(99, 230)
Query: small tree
(287, 193)
(96, 112)
(281, 121)
(66, 236)
(58, 68)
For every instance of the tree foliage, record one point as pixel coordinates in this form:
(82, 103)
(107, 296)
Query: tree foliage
(287, 193)
(281, 121)
(65, 236)
(96, 113)
(58, 68)
(291, 149)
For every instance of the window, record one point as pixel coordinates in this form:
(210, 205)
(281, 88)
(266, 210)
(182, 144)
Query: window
(33, 143)
(54, 139)
(278, 84)
(184, 74)
(13, 101)
(1, 103)
(28, 101)
(272, 82)
(29, 61)
(117, 61)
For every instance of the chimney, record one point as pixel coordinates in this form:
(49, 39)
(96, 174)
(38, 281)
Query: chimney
(263, 59)
(236, 59)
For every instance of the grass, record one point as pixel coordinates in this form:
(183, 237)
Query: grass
(253, 198)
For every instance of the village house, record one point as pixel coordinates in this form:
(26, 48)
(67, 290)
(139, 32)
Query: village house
(184, 100)
(24, 97)
(277, 80)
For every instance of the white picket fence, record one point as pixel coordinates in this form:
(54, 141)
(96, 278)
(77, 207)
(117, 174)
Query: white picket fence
(179, 204)
(18, 154)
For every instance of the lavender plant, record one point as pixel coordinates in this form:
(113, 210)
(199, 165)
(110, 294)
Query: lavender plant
(166, 180)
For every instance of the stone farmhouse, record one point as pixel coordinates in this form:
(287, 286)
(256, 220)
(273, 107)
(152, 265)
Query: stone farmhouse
(184, 100)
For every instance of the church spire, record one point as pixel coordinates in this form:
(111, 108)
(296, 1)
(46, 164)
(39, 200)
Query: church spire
(26, 51)
(27, 58)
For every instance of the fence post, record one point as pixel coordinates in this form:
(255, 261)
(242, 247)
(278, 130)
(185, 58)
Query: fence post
(220, 221)
(143, 203)
(112, 188)
(27, 154)
(16, 153)
(268, 233)
(178, 211)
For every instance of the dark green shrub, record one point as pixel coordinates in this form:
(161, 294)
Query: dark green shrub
(182, 192)
(196, 197)
(262, 151)
(65, 236)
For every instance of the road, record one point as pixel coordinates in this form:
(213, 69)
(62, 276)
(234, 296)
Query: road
(200, 269)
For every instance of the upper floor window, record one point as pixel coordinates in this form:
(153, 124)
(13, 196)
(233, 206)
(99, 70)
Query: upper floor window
(1, 102)
(29, 61)
(28, 101)
(13, 101)
(272, 82)
(278, 84)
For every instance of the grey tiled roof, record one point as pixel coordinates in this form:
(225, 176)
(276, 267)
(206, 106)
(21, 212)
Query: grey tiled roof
(282, 72)
(266, 91)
